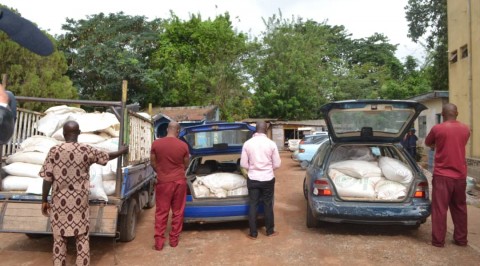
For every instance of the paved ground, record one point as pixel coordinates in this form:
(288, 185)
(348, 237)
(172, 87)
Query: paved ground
(227, 244)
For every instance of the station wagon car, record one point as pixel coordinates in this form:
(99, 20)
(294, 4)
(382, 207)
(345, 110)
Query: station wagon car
(363, 174)
(217, 189)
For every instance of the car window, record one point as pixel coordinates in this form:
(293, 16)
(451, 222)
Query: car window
(320, 154)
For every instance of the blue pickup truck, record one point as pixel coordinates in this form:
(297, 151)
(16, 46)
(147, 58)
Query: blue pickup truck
(135, 179)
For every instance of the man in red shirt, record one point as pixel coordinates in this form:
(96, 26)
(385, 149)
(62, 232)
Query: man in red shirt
(449, 176)
(169, 157)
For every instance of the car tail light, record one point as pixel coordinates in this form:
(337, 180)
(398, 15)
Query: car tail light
(322, 188)
(421, 190)
(301, 150)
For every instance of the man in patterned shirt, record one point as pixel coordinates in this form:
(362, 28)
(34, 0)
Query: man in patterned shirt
(66, 171)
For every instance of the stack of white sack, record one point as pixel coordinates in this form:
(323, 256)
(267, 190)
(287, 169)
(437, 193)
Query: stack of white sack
(348, 186)
(220, 185)
(386, 180)
(98, 129)
(24, 166)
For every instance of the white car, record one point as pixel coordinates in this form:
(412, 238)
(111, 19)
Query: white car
(293, 144)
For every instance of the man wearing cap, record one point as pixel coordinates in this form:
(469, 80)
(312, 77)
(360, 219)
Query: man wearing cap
(410, 143)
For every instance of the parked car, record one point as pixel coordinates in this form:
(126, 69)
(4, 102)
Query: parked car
(307, 150)
(293, 144)
(217, 189)
(363, 175)
(309, 139)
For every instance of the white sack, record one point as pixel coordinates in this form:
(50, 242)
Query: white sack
(109, 187)
(395, 170)
(108, 145)
(23, 169)
(357, 168)
(360, 153)
(390, 190)
(11, 183)
(51, 122)
(89, 138)
(97, 192)
(35, 186)
(33, 157)
(109, 170)
(91, 122)
(63, 109)
(200, 191)
(225, 181)
(348, 186)
(241, 191)
(113, 131)
(38, 143)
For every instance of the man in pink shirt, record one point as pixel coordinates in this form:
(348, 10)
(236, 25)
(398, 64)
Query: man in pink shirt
(260, 157)
(449, 176)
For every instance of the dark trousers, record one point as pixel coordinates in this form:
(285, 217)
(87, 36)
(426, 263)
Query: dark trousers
(261, 190)
(449, 193)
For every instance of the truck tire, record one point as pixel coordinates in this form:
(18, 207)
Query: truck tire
(151, 196)
(312, 222)
(128, 221)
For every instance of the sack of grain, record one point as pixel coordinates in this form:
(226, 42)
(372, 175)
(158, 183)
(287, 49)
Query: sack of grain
(348, 186)
(357, 168)
(395, 170)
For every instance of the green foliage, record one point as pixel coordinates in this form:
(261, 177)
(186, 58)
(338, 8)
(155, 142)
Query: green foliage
(201, 62)
(428, 18)
(103, 50)
(302, 65)
(32, 75)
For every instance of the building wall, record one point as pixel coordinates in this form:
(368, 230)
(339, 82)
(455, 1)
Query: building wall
(464, 72)
(432, 116)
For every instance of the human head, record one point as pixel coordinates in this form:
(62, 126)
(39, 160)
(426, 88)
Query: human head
(412, 130)
(173, 129)
(449, 112)
(261, 127)
(71, 130)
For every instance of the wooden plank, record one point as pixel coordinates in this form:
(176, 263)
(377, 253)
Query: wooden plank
(27, 217)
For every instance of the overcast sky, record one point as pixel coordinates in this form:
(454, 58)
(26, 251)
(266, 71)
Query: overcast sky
(361, 18)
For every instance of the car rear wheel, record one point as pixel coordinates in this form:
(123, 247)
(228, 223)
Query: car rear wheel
(312, 222)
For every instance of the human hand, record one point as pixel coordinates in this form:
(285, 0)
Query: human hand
(45, 209)
(124, 149)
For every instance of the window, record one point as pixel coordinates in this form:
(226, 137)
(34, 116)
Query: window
(453, 57)
(438, 118)
(422, 126)
(319, 157)
(464, 51)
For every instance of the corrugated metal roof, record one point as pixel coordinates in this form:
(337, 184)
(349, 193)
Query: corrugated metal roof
(429, 96)
(186, 113)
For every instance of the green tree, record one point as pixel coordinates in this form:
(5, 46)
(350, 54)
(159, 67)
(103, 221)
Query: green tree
(202, 63)
(428, 18)
(103, 50)
(33, 75)
(296, 68)
(412, 82)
